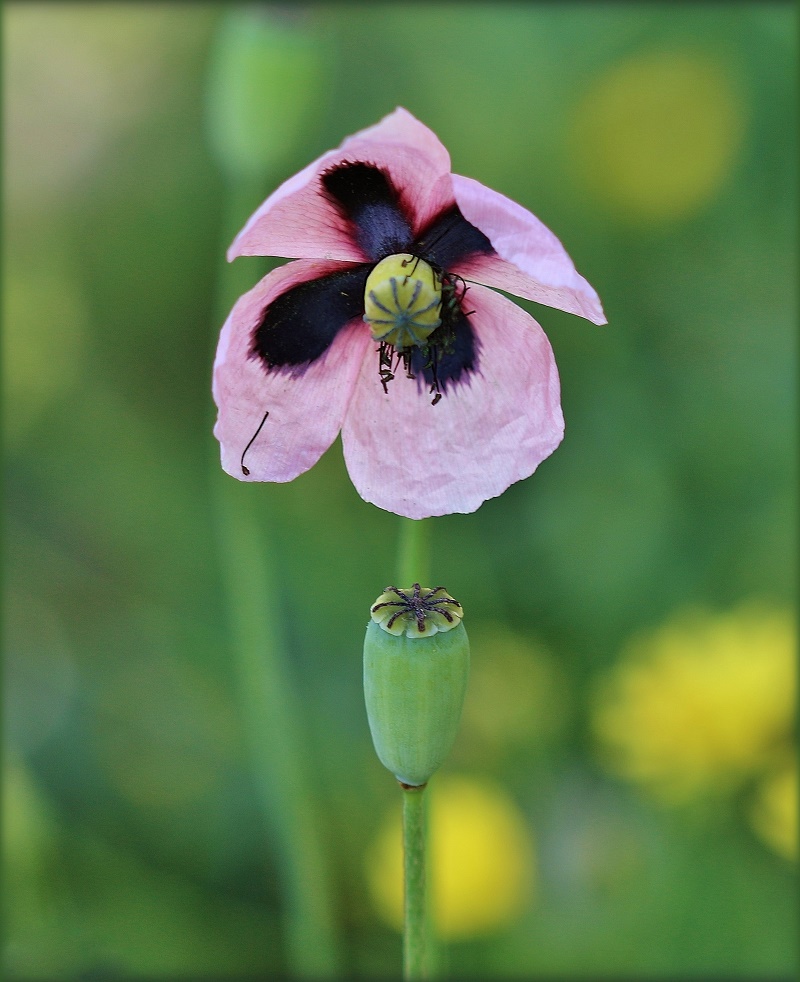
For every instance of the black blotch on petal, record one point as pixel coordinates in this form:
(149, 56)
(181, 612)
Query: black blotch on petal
(300, 325)
(450, 239)
(457, 354)
(366, 197)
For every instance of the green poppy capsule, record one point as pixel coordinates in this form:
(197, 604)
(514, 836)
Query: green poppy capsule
(416, 665)
(403, 301)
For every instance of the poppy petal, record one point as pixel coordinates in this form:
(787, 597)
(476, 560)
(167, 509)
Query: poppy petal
(299, 325)
(305, 412)
(529, 261)
(299, 219)
(367, 198)
(418, 460)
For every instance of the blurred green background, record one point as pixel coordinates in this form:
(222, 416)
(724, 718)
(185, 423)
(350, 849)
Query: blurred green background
(622, 797)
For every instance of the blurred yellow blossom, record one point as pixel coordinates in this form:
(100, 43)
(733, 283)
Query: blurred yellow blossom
(701, 703)
(481, 859)
(773, 813)
(657, 135)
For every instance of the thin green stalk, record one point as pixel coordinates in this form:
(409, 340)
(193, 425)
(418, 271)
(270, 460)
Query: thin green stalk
(420, 953)
(273, 727)
(272, 714)
(413, 559)
(415, 935)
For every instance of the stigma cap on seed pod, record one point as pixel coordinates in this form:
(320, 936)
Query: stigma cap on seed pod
(418, 612)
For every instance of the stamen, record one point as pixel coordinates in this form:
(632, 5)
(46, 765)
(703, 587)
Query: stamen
(414, 311)
(246, 470)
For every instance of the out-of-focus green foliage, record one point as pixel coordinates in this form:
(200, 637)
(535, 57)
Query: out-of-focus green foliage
(659, 142)
(265, 88)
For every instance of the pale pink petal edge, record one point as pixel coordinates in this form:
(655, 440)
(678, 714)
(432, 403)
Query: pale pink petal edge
(530, 261)
(417, 460)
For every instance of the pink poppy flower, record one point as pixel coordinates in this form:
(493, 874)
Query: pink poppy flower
(444, 391)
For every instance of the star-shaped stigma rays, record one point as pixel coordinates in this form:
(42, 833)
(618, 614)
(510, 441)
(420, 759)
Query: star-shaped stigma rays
(417, 612)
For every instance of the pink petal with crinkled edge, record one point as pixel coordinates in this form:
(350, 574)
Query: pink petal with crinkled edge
(298, 221)
(530, 261)
(305, 413)
(418, 460)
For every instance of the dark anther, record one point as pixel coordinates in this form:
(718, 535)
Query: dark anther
(246, 470)
(432, 364)
(405, 357)
(385, 365)
(416, 263)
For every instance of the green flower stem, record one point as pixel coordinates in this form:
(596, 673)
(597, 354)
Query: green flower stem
(271, 713)
(272, 722)
(413, 560)
(419, 947)
(415, 935)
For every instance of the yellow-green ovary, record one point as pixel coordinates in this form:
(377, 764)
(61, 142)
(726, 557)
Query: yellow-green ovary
(403, 301)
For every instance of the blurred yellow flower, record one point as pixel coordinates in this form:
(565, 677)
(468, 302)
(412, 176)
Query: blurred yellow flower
(773, 813)
(481, 861)
(701, 703)
(656, 136)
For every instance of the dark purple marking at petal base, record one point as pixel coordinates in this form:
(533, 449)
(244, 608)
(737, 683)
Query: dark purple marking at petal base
(454, 361)
(300, 325)
(450, 239)
(366, 197)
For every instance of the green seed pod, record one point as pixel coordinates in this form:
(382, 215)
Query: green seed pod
(416, 665)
